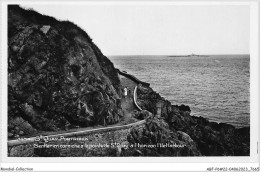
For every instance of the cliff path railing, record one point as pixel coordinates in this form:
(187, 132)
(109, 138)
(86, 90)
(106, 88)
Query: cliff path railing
(12, 143)
(133, 78)
(135, 98)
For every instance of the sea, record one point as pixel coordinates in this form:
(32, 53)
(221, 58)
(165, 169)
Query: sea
(216, 87)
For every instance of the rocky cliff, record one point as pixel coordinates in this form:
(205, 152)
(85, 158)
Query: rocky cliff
(57, 77)
(211, 138)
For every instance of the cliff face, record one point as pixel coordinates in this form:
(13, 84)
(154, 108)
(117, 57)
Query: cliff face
(211, 138)
(57, 77)
(155, 138)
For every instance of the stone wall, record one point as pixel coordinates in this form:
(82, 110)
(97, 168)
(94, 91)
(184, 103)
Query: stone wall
(109, 141)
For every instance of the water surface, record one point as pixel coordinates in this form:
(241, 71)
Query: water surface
(215, 87)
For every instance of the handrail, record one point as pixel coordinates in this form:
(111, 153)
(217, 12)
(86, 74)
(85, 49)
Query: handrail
(133, 78)
(78, 133)
(135, 99)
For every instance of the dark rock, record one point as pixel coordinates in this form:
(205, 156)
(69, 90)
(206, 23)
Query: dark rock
(184, 137)
(137, 153)
(47, 152)
(142, 114)
(57, 76)
(214, 125)
(184, 108)
(156, 131)
(21, 133)
(243, 131)
(10, 135)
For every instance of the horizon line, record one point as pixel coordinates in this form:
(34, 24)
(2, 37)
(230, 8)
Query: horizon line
(174, 54)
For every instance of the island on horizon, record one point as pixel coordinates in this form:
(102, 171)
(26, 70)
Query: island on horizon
(190, 55)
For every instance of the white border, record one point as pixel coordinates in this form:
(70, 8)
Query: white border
(254, 92)
(254, 78)
(148, 167)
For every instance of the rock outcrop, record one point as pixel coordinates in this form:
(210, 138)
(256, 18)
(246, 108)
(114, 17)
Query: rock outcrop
(156, 139)
(212, 139)
(57, 77)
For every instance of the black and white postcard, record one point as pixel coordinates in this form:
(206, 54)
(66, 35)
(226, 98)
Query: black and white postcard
(130, 81)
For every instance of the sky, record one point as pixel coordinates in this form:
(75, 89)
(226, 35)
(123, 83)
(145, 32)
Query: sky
(147, 29)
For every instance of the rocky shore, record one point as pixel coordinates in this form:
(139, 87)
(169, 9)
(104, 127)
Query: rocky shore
(58, 79)
(204, 137)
